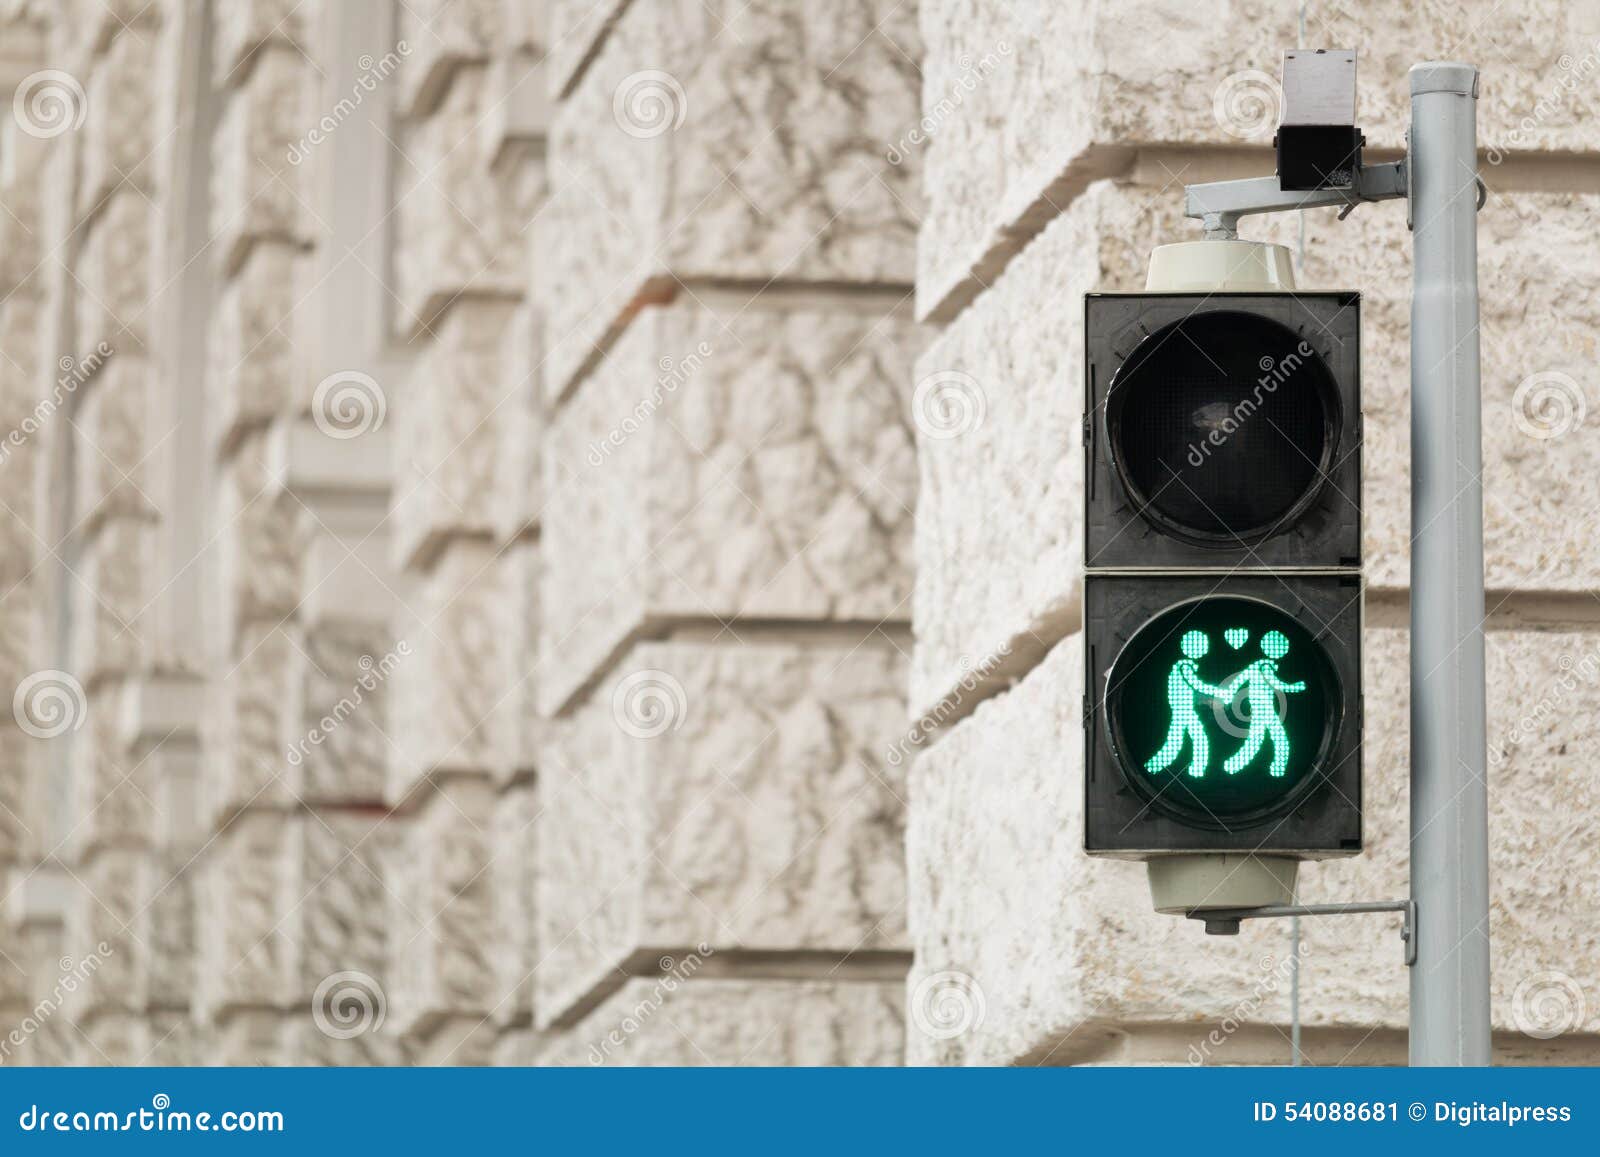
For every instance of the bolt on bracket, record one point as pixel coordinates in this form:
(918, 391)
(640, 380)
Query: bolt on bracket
(1225, 921)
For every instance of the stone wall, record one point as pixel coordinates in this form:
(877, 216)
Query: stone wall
(460, 570)
(1058, 142)
(547, 532)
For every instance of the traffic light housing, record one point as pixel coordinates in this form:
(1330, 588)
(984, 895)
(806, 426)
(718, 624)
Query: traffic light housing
(1222, 602)
(1223, 431)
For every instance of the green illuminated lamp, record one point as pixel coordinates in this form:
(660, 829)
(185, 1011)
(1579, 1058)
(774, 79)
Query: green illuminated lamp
(1172, 693)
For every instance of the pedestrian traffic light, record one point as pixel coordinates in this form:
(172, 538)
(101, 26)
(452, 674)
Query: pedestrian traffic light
(1222, 603)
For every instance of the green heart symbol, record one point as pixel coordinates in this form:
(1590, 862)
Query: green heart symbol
(1236, 636)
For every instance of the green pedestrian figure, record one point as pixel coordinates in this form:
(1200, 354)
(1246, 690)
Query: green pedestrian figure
(1262, 684)
(1183, 684)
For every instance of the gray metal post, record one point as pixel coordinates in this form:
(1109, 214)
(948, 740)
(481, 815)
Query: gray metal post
(1449, 790)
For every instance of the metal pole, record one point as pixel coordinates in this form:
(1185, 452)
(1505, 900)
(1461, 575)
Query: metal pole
(1449, 791)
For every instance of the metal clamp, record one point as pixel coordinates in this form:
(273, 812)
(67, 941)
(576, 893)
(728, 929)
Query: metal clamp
(1219, 204)
(1225, 921)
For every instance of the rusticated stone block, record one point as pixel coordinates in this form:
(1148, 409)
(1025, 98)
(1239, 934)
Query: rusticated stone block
(117, 426)
(731, 796)
(740, 1022)
(1026, 949)
(1023, 106)
(243, 27)
(252, 1037)
(177, 1040)
(20, 754)
(117, 578)
(518, 497)
(342, 747)
(516, 1047)
(363, 1041)
(456, 699)
(114, 792)
(460, 230)
(246, 896)
(442, 36)
(342, 1006)
(691, 173)
(117, 269)
(172, 934)
(457, 407)
(260, 543)
(576, 27)
(120, 128)
(765, 471)
(514, 871)
(111, 1037)
(455, 1041)
(108, 930)
(441, 914)
(523, 563)
(251, 732)
(256, 191)
(89, 26)
(251, 359)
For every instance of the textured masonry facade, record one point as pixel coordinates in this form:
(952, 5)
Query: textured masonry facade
(486, 494)
(1046, 182)
(397, 730)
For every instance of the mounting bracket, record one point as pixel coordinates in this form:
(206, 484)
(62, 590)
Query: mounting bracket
(1225, 921)
(1220, 204)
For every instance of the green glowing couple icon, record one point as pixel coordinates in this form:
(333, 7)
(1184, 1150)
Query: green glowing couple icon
(1262, 685)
